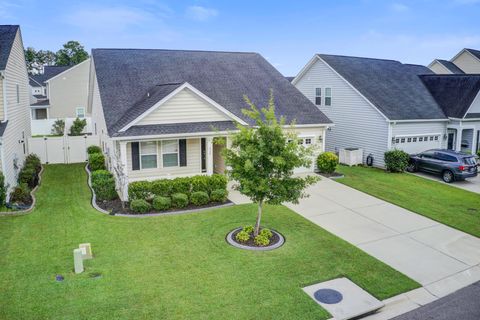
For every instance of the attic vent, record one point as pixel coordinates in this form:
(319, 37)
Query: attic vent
(148, 94)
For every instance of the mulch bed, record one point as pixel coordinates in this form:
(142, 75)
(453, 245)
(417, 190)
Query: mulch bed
(116, 207)
(250, 243)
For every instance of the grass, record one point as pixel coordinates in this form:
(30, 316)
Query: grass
(168, 267)
(449, 205)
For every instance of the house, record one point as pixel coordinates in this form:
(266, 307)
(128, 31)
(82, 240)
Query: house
(63, 95)
(157, 112)
(466, 61)
(376, 104)
(14, 103)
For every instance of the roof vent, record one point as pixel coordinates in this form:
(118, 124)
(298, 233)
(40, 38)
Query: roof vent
(148, 94)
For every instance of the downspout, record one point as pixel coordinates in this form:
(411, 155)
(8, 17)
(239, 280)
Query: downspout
(4, 94)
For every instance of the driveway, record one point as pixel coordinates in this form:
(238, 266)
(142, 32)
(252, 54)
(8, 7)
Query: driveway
(471, 184)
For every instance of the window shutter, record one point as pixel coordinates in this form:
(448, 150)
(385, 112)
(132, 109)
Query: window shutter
(135, 156)
(182, 146)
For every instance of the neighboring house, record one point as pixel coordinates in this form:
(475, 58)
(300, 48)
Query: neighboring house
(466, 61)
(38, 85)
(14, 103)
(66, 90)
(157, 112)
(376, 105)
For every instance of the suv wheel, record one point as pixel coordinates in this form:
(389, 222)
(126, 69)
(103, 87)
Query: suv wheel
(448, 176)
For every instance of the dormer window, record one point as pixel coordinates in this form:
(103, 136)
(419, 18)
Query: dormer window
(318, 96)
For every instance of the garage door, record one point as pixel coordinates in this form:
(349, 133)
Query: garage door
(417, 143)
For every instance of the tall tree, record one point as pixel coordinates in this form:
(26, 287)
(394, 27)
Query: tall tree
(72, 53)
(262, 160)
(31, 60)
(46, 57)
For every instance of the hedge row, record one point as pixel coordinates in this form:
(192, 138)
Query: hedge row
(147, 190)
(103, 182)
(27, 180)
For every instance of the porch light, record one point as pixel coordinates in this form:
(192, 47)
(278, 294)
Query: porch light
(445, 136)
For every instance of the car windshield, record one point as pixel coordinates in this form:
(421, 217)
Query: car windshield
(469, 160)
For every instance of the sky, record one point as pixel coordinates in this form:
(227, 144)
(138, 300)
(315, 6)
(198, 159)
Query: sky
(286, 33)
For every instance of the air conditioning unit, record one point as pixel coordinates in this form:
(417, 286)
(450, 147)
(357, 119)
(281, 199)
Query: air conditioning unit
(351, 156)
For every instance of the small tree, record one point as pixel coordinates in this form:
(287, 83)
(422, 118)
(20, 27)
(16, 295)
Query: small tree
(72, 53)
(262, 160)
(58, 127)
(77, 127)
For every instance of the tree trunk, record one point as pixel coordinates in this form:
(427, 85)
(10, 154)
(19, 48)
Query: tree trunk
(259, 218)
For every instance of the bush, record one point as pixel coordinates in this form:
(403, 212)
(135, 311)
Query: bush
(162, 203)
(139, 206)
(162, 187)
(181, 185)
(217, 181)
(266, 233)
(200, 183)
(219, 195)
(327, 162)
(103, 183)
(242, 236)
(179, 200)
(261, 240)
(28, 175)
(20, 194)
(34, 161)
(139, 190)
(396, 160)
(77, 127)
(58, 127)
(94, 149)
(96, 161)
(248, 229)
(3, 189)
(199, 198)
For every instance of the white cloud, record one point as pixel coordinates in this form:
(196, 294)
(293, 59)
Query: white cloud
(199, 13)
(399, 7)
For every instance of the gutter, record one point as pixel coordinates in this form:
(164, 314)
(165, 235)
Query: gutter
(418, 120)
(4, 94)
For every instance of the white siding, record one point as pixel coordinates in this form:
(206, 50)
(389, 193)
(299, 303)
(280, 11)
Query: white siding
(18, 128)
(467, 62)
(475, 106)
(439, 68)
(419, 129)
(185, 106)
(357, 123)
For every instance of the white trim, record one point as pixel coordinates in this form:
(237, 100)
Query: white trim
(477, 97)
(171, 95)
(172, 135)
(460, 53)
(390, 136)
(84, 112)
(319, 125)
(419, 120)
(305, 69)
(441, 64)
(417, 135)
(69, 69)
(178, 152)
(147, 154)
(5, 101)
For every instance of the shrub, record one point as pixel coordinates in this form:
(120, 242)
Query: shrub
(96, 161)
(162, 203)
(261, 240)
(139, 190)
(199, 198)
(181, 185)
(34, 161)
(103, 183)
(396, 160)
(266, 233)
(28, 176)
(242, 236)
(77, 126)
(139, 206)
(327, 162)
(94, 149)
(3, 189)
(162, 187)
(200, 183)
(179, 200)
(58, 127)
(219, 195)
(248, 229)
(20, 194)
(217, 181)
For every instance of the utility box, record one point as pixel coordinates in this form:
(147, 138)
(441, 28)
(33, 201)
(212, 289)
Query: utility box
(350, 156)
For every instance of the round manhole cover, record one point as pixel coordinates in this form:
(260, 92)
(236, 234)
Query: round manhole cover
(328, 296)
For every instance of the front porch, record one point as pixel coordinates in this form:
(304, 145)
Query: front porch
(463, 138)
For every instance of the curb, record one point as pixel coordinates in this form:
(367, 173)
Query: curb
(277, 245)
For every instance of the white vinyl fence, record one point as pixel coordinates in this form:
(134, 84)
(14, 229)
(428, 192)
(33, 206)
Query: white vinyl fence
(65, 149)
(44, 126)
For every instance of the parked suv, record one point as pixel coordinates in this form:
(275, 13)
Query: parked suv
(449, 164)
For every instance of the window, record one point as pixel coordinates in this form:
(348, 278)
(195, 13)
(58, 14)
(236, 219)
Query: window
(431, 138)
(420, 139)
(40, 114)
(170, 153)
(308, 141)
(18, 93)
(436, 138)
(80, 112)
(328, 96)
(318, 96)
(409, 140)
(403, 140)
(445, 157)
(415, 139)
(148, 155)
(397, 140)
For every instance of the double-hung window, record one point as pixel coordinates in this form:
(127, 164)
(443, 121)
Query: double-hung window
(170, 153)
(318, 96)
(80, 112)
(328, 96)
(148, 155)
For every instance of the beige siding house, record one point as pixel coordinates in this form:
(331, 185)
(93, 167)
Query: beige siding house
(467, 61)
(179, 104)
(14, 110)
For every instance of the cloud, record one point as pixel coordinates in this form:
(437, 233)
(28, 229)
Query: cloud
(399, 7)
(199, 13)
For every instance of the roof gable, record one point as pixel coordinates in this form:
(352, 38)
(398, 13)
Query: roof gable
(48, 73)
(450, 66)
(7, 38)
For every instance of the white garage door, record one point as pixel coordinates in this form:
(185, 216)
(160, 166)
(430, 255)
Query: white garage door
(417, 143)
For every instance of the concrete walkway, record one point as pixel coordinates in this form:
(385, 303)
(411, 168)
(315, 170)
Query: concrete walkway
(470, 184)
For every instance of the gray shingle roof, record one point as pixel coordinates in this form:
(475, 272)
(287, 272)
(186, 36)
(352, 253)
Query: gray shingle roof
(476, 53)
(7, 37)
(126, 75)
(174, 128)
(290, 79)
(452, 67)
(454, 93)
(3, 126)
(48, 73)
(41, 103)
(394, 88)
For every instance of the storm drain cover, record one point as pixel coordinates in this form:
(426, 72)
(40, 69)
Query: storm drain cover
(328, 296)
(343, 299)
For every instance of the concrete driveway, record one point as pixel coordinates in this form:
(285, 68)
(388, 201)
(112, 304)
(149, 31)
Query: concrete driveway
(470, 184)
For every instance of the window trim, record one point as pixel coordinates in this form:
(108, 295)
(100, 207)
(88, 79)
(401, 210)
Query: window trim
(318, 97)
(325, 96)
(76, 112)
(178, 153)
(140, 153)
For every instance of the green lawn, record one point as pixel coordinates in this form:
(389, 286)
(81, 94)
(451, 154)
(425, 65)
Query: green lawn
(170, 267)
(452, 206)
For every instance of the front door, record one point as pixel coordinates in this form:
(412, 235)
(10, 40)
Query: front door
(451, 141)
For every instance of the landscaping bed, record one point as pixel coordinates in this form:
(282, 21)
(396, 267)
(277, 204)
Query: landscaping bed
(275, 239)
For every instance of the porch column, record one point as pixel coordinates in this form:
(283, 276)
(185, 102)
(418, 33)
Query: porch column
(123, 181)
(458, 140)
(209, 141)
